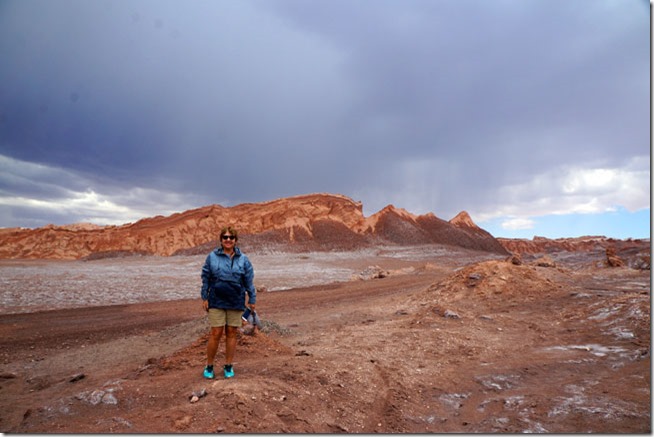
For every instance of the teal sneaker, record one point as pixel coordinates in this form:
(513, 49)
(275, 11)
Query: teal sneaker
(228, 371)
(208, 372)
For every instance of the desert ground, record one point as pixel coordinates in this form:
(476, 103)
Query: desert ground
(423, 339)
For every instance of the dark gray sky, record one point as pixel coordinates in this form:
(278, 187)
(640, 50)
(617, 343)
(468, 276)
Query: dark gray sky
(515, 111)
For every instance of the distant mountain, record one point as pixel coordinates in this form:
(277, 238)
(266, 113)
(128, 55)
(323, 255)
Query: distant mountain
(540, 245)
(299, 223)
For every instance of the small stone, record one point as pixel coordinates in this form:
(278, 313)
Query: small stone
(451, 314)
(77, 377)
(96, 397)
(198, 394)
(110, 399)
(202, 393)
(123, 422)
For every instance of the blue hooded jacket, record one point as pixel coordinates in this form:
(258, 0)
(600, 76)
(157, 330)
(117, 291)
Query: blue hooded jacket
(225, 280)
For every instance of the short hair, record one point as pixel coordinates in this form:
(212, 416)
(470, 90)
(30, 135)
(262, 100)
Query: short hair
(229, 229)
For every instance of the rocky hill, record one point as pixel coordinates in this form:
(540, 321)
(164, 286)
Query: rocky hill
(299, 223)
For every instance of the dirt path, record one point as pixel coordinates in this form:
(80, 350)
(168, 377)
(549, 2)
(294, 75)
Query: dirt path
(489, 347)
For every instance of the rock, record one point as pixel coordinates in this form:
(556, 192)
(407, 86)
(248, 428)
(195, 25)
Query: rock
(95, 397)
(196, 395)
(98, 396)
(318, 220)
(463, 220)
(109, 399)
(121, 421)
(473, 278)
(643, 262)
(545, 261)
(515, 259)
(77, 377)
(612, 259)
(372, 272)
(451, 314)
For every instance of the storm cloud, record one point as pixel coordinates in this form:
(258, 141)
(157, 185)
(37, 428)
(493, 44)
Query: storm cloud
(115, 110)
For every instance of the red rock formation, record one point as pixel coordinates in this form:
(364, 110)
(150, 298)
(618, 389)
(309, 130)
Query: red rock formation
(463, 219)
(612, 259)
(579, 244)
(543, 245)
(634, 253)
(307, 222)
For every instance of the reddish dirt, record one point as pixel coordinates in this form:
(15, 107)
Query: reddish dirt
(453, 345)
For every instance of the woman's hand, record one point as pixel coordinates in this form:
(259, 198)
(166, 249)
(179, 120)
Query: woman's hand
(205, 305)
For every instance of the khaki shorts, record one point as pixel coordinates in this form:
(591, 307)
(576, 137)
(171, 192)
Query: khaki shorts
(219, 318)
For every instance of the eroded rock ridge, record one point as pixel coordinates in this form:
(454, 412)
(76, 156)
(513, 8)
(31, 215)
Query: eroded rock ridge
(306, 222)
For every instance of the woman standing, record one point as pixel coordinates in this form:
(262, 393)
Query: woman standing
(227, 275)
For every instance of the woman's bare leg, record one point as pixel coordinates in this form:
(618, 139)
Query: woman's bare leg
(212, 344)
(230, 344)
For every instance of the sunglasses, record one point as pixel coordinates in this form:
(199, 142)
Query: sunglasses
(228, 237)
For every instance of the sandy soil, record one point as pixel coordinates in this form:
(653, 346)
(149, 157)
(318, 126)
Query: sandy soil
(459, 342)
